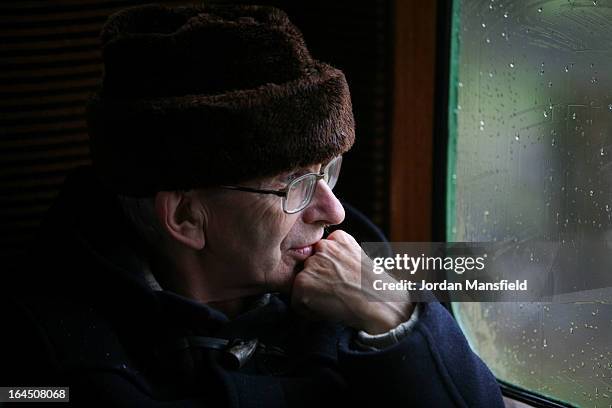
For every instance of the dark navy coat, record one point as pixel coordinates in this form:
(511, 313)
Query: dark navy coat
(81, 315)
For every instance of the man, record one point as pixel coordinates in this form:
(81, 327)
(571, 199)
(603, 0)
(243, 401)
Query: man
(189, 266)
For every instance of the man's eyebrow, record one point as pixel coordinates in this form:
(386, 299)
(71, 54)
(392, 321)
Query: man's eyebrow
(283, 176)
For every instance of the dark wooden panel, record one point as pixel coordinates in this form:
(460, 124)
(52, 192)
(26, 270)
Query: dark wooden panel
(412, 141)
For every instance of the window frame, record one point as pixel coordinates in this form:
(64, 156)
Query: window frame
(419, 140)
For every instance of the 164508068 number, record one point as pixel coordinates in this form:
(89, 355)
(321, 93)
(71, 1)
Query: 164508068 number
(49, 394)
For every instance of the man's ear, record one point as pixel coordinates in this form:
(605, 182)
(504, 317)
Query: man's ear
(181, 214)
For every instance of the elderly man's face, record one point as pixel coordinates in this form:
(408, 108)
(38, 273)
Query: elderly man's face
(252, 245)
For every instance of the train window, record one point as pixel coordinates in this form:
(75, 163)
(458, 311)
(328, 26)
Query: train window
(530, 158)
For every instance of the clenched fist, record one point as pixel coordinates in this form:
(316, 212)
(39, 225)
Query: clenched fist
(330, 288)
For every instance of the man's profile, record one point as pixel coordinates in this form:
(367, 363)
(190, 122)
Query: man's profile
(189, 265)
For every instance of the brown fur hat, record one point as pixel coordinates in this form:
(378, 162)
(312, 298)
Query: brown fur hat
(203, 96)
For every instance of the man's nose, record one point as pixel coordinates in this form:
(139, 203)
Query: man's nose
(325, 207)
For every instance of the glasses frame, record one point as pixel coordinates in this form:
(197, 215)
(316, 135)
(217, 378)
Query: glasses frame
(283, 193)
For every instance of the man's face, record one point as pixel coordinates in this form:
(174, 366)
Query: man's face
(252, 245)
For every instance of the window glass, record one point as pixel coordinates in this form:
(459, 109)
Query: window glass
(530, 158)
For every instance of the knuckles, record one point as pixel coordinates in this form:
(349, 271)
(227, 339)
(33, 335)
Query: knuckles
(327, 245)
(321, 244)
(343, 238)
(337, 238)
(339, 235)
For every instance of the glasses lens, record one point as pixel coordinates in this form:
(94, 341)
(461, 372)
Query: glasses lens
(332, 172)
(299, 193)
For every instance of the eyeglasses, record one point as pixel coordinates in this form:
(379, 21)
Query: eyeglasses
(299, 192)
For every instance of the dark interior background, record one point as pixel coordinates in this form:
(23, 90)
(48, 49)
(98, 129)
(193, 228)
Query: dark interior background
(50, 62)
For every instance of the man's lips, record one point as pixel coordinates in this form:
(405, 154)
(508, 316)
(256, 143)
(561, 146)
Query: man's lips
(302, 252)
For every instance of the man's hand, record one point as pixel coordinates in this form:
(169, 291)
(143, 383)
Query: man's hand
(329, 288)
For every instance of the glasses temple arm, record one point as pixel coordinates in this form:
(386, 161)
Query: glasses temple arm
(279, 193)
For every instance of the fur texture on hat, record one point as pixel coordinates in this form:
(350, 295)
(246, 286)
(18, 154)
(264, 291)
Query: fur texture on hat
(203, 96)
